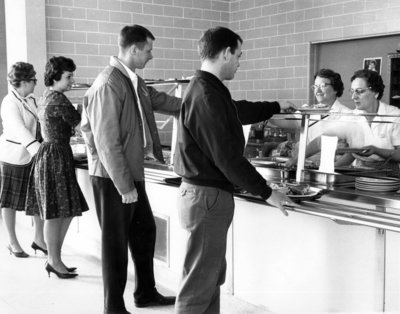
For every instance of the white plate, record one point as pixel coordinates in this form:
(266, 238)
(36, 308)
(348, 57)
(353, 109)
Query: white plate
(313, 110)
(310, 195)
(374, 181)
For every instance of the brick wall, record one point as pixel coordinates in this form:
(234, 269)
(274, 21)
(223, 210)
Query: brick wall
(86, 31)
(277, 33)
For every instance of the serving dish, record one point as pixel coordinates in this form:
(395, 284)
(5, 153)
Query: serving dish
(343, 150)
(312, 195)
(313, 110)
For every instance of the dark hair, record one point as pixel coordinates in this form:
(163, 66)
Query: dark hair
(214, 40)
(134, 34)
(335, 78)
(55, 67)
(20, 71)
(373, 79)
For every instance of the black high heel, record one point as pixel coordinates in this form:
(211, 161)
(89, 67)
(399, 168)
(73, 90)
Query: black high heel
(50, 269)
(37, 247)
(17, 254)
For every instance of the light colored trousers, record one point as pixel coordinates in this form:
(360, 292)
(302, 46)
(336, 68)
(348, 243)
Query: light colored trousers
(206, 214)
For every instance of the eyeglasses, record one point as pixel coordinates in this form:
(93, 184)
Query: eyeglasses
(32, 80)
(358, 91)
(321, 86)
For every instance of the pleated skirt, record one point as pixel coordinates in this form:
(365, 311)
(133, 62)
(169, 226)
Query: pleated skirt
(13, 185)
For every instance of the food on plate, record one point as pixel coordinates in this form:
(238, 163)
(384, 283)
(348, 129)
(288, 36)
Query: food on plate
(320, 106)
(314, 106)
(291, 188)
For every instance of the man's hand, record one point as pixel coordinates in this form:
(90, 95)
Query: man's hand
(130, 197)
(288, 106)
(279, 199)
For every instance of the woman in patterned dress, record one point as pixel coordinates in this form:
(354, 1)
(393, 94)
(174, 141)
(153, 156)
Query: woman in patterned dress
(18, 145)
(58, 195)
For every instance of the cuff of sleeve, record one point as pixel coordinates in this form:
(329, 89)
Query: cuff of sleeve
(276, 107)
(33, 148)
(266, 193)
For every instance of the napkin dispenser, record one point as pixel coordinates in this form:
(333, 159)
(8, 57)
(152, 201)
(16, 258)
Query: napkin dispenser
(328, 151)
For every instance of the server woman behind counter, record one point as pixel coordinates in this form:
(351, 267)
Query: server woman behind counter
(381, 140)
(53, 182)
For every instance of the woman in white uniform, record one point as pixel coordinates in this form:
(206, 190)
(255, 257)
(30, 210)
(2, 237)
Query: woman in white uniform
(328, 88)
(18, 144)
(382, 140)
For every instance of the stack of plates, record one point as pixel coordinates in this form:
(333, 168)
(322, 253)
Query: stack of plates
(377, 185)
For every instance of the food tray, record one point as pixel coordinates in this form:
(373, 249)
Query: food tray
(313, 110)
(312, 195)
(349, 150)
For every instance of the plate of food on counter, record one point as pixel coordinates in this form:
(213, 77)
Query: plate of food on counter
(297, 192)
(314, 108)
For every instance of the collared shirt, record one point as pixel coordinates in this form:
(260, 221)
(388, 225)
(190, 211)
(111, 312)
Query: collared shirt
(28, 102)
(134, 79)
(319, 127)
(382, 135)
(210, 142)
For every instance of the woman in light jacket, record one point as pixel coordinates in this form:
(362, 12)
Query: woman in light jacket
(18, 145)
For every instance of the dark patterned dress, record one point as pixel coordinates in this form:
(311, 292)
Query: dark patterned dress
(53, 180)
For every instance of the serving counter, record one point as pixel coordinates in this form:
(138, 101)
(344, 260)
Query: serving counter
(338, 252)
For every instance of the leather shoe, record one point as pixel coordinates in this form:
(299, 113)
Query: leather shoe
(156, 300)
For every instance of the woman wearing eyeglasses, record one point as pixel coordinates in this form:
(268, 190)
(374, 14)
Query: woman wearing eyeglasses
(328, 88)
(19, 143)
(382, 140)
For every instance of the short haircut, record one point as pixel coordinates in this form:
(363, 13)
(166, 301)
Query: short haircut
(215, 40)
(373, 80)
(20, 71)
(134, 34)
(55, 67)
(335, 78)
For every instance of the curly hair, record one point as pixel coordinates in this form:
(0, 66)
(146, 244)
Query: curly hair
(335, 78)
(373, 79)
(20, 71)
(55, 67)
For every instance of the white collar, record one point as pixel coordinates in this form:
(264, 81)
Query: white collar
(132, 75)
(19, 97)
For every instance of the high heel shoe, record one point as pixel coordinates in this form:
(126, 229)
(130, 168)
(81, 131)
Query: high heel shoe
(71, 269)
(50, 269)
(17, 254)
(37, 247)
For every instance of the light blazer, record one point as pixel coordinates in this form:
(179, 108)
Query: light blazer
(19, 118)
(112, 126)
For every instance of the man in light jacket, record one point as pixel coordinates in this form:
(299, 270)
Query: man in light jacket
(118, 125)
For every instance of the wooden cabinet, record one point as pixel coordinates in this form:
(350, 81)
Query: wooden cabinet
(394, 79)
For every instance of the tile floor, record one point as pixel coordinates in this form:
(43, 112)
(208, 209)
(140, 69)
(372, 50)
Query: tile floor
(25, 287)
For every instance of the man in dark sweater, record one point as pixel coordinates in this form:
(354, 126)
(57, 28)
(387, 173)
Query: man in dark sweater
(209, 158)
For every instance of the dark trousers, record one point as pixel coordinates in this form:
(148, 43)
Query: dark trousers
(123, 226)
